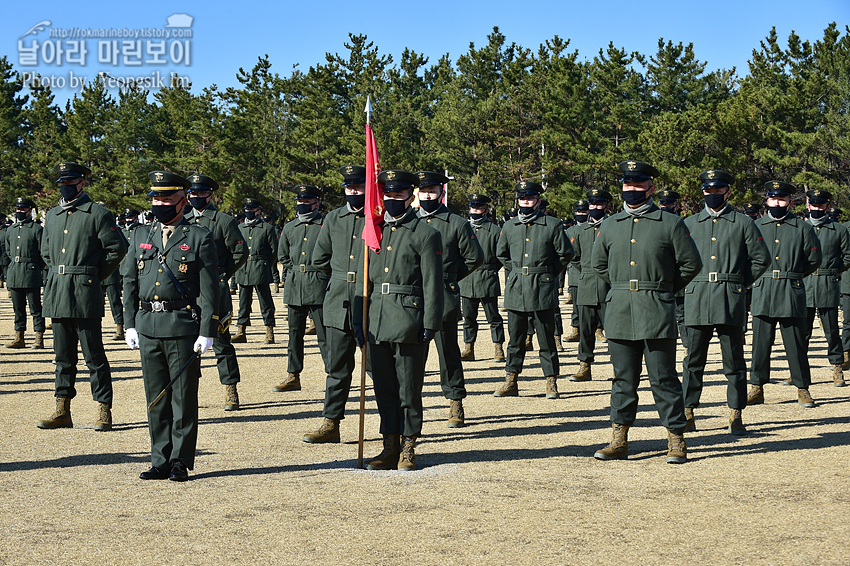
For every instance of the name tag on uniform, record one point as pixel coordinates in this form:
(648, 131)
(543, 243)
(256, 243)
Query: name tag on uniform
(146, 246)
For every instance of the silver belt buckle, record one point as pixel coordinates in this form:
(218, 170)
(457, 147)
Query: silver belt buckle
(385, 288)
(61, 270)
(776, 274)
(712, 277)
(157, 306)
(633, 285)
(525, 270)
(302, 268)
(17, 259)
(350, 276)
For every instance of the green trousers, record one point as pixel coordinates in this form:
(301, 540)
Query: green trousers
(297, 327)
(113, 293)
(398, 385)
(829, 324)
(20, 298)
(342, 352)
(518, 324)
(67, 333)
(588, 321)
(491, 313)
(734, 366)
(246, 299)
(793, 337)
(173, 422)
(451, 368)
(660, 358)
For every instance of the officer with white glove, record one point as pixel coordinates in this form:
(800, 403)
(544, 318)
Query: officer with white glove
(202, 344)
(131, 337)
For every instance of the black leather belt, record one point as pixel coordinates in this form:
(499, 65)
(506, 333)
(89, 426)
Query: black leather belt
(74, 269)
(165, 306)
(827, 272)
(635, 285)
(779, 274)
(715, 277)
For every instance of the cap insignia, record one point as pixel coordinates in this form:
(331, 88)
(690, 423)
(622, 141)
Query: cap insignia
(158, 176)
(390, 175)
(775, 185)
(62, 166)
(632, 165)
(711, 174)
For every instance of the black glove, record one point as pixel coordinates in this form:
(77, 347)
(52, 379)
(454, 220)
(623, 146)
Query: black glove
(426, 335)
(358, 332)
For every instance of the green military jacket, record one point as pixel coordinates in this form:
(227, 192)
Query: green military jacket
(845, 277)
(262, 241)
(573, 267)
(191, 255)
(823, 287)
(339, 254)
(794, 252)
(4, 257)
(647, 260)
(591, 289)
(461, 253)
(734, 256)
(533, 255)
(305, 284)
(115, 277)
(405, 282)
(23, 250)
(230, 248)
(81, 246)
(484, 281)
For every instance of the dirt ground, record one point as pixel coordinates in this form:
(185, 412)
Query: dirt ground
(518, 485)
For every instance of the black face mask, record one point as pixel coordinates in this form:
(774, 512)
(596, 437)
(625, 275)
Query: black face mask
(715, 200)
(356, 202)
(198, 203)
(250, 214)
(165, 213)
(69, 192)
(634, 198)
(394, 207)
(21, 216)
(526, 210)
(476, 216)
(778, 211)
(596, 213)
(303, 208)
(816, 214)
(581, 218)
(430, 205)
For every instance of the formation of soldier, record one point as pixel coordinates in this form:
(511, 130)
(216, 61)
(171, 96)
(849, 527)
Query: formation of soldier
(644, 274)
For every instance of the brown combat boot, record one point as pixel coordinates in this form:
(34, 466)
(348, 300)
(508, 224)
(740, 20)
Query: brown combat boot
(18, 342)
(573, 335)
(291, 383)
(468, 352)
(804, 398)
(276, 287)
(736, 423)
(498, 352)
(837, 375)
(600, 336)
(38, 343)
(388, 458)
(407, 458)
(691, 424)
(232, 292)
(104, 418)
(569, 298)
(327, 433)
(618, 448)
(509, 388)
(677, 450)
(311, 328)
(119, 332)
(456, 414)
(529, 343)
(239, 337)
(231, 398)
(61, 417)
(583, 373)
(756, 395)
(269, 335)
(558, 346)
(552, 387)
(846, 364)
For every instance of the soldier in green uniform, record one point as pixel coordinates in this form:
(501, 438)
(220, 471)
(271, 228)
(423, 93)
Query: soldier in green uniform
(461, 256)
(171, 292)
(405, 312)
(339, 253)
(581, 215)
(734, 255)
(4, 258)
(779, 296)
(482, 285)
(22, 241)
(262, 241)
(304, 291)
(845, 305)
(668, 201)
(647, 256)
(534, 249)
(232, 253)
(591, 293)
(112, 291)
(81, 245)
(823, 287)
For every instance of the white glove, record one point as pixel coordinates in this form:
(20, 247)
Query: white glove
(202, 344)
(131, 337)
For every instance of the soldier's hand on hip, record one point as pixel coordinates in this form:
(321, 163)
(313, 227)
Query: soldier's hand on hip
(202, 344)
(131, 337)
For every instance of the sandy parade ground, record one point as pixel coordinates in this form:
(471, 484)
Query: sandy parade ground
(517, 485)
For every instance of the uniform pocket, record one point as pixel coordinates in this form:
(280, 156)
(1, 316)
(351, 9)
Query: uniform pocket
(412, 302)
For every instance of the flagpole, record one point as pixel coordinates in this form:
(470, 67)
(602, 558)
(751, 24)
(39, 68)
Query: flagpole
(363, 358)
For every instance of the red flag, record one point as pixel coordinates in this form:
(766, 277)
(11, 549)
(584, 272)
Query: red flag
(374, 194)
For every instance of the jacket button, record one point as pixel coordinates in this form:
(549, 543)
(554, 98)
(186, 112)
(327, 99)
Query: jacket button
(160, 271)
(526, 255)
(351, 257)
(89, 280)
(633, 240)
(303, 253)
(636, 219)
(777, 258)
(157, 283)
(777, 241)
(713, 239)
(527, 239)
(353, 237)
(393, 229)
(631, 263)
(63, 250)
(778, 224)
(183, 258)
(429, 221)
(715, 221)
(65, 232)
(389, 248)
(714, 257)
(305, 239)
(156, 297)
(386, 269)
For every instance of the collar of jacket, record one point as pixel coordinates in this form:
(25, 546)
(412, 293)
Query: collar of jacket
(343, 211)
(654, 213)
(728, 213)
(411, 222)
(828, 224)
(592, 226)
(790, 218)
(84, 205)
(316, 218)
(539, 219)
(442, 213)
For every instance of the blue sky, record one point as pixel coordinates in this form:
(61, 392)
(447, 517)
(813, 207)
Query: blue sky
(229, 35)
